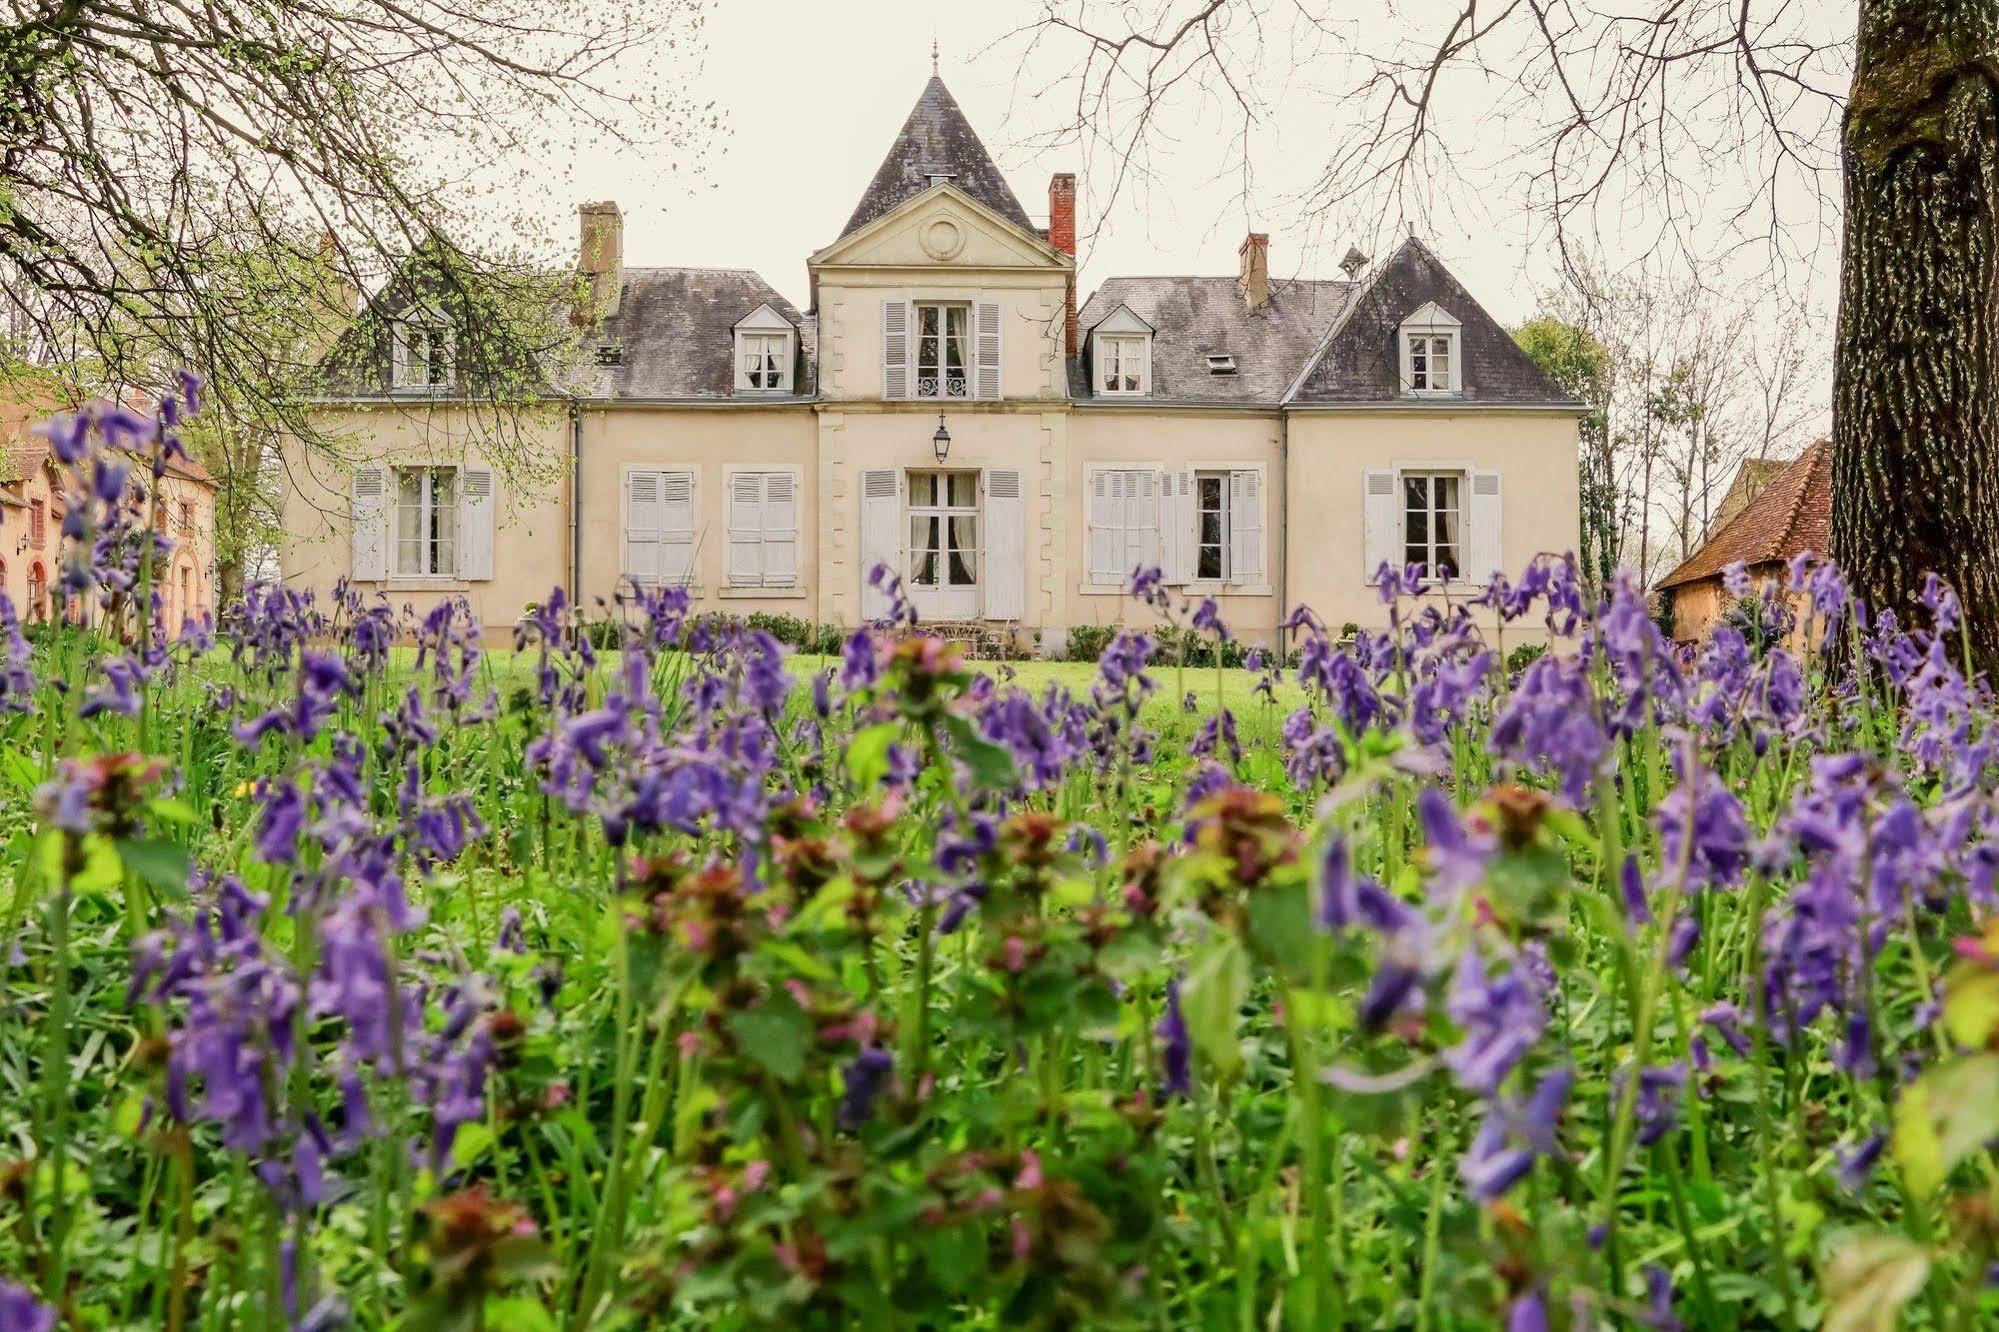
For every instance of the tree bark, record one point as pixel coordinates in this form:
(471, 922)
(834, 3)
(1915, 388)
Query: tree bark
(1916, 363)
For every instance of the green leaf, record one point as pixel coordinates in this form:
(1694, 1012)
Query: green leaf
(20, 769)
(991, 765)
(518, 1313)
(1211, 1000)
(867, 754)
(169, 809)
(1971, 1004)
(1944, 1116)
(1868, 1281)
(470, 1143)
(159, 864)
(774, 1034)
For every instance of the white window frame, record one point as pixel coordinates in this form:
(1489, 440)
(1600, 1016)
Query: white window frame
(1429, 473)
(437, 356)
(426, 512)
(1113, 351)
(1091, 471)
(764, 582)
(942, 512)
(1220, 476)
(1419, 339)
(749, 337)
(967, 351)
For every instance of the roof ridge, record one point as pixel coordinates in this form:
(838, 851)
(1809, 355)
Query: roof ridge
(1810, 457)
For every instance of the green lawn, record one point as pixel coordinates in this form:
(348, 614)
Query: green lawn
(1253, 712)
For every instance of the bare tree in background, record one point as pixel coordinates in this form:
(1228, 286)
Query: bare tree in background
(212, 186)
(1643, 112)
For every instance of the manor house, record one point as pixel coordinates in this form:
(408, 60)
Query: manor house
(949, 407)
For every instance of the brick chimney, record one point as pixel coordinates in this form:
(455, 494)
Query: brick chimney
(1253, 278)
(601, 258)
(1062, 235)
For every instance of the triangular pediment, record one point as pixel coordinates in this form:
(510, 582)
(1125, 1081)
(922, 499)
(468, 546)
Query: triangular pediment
(941, 228)
(1122, 320)
(1432, 315)
(763, 319)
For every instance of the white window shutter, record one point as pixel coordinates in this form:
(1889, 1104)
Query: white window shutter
(988, 381)
(895, 349)
(1141, 522)
(475, 524)
(676, 527)
(780, 550)
(1176, 516)
(1381, 526)
(1484, 553)
(1106, 527)
(368, 519)
(1006, 542)
(1246, 527)
(746, 529)
(881, 536)
(644, 521)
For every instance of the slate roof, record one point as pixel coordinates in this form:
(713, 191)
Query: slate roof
(1360, 362)
(673, 330)
(1196, 317)
(1792, 515)
(936, 139)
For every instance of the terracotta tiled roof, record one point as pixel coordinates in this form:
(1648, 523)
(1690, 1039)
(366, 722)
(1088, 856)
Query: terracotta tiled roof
(1792, 515)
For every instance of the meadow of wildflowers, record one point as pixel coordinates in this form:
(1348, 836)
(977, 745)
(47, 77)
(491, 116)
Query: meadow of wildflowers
(352, 979)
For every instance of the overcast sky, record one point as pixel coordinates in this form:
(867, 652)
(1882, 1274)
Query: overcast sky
(812, 93)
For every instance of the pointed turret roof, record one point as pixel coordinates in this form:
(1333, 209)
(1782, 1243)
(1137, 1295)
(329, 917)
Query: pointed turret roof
(936, 142)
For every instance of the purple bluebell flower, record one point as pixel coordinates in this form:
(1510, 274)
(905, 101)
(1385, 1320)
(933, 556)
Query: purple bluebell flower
(1516, 1132)
(1528, 1312)
(1457, 856)
(1176, 1047)
(1502, 1016)
(863, 1081)
(1857, 1163)
(1658, 1110)
(20, 1311)
(1658, 1315)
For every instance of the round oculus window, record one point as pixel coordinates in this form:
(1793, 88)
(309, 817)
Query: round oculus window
(942, 239)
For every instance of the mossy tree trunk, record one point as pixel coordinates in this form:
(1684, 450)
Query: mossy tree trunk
(1915, 421)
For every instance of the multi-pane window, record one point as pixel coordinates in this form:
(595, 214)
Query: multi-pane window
(1121, 363)
(38, 524)
(764, 360)
(1430, 363)
(942, 334)
(186, 516)
(943, 529)
(422, 357)
(1433, 522)
(426, 524)
(1211, 526)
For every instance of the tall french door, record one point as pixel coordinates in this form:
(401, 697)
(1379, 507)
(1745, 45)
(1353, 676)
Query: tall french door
(943, 549)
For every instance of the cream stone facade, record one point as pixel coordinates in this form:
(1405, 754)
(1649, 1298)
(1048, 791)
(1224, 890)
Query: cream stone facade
(946, 408)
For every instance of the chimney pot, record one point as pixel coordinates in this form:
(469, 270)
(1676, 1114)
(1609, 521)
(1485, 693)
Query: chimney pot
(1253, 278)
(1062, 236)
(601, 257)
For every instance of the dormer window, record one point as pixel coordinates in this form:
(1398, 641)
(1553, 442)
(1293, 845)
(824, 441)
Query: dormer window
(764, 352)
(1121, 364)
(1222, 364)
(610, 353)
(420, 356)
(1431, 363)
(1121, 348)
